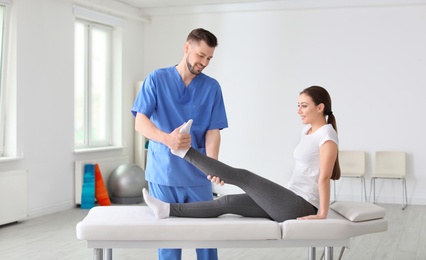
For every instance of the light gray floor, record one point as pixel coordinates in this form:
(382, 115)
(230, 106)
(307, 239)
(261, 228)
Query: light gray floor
(53, 237)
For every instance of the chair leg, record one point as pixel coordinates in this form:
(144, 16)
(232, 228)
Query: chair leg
(363, 187)
(404, 194)
(373, 188)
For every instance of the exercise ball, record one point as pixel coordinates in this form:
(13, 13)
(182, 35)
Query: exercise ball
(125, 184)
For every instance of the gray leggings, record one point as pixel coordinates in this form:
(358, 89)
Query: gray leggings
(262, 198)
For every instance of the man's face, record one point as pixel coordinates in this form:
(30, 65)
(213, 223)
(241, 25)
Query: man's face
(198, 56)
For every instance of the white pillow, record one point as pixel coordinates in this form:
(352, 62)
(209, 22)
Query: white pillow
(358, 211)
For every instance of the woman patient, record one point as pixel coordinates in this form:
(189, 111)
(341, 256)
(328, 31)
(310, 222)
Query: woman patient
(308, 193)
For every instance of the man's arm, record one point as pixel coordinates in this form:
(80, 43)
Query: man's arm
(174, 140)
(213, 143)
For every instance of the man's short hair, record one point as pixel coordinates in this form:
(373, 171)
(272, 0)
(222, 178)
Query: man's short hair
(201, 34)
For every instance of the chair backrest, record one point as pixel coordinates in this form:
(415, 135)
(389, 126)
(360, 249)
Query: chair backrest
(352, 163)
(390, 164)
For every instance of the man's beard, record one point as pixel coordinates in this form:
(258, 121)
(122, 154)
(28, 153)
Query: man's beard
(191, 68)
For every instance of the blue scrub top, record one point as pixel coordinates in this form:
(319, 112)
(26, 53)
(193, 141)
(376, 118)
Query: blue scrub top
(168, 103)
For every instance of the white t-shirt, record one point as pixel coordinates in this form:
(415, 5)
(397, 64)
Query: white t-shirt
(304, 181)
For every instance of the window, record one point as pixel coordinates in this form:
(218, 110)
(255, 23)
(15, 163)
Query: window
(93, 90)
(2, 82)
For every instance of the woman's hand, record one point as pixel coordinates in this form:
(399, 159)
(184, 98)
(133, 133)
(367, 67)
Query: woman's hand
(216, 180)
(311, 217)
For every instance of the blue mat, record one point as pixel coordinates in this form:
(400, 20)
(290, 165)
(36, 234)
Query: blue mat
(88, 190)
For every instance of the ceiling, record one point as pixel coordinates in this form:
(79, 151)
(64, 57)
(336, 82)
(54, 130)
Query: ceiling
(141, 4)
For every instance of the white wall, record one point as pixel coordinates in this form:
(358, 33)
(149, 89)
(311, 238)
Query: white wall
(45, 82)
(370, 58)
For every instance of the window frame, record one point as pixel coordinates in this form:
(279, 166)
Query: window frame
(89, 87)
(115, 115)
(7, 145)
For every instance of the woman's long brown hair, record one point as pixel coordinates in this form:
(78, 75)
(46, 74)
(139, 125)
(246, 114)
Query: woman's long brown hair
(320, 95)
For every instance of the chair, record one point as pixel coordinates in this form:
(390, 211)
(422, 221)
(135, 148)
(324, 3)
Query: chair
(352, 165)
(390, 165)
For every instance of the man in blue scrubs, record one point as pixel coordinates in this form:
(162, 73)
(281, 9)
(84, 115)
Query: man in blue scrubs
(168, 98)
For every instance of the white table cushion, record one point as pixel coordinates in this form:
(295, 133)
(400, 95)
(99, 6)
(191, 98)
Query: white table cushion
(358, 211)
(139, 223)
(334, 227)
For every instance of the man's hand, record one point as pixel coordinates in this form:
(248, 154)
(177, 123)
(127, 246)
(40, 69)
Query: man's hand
(178, 141)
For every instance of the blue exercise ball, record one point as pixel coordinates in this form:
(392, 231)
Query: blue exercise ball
(125, 184)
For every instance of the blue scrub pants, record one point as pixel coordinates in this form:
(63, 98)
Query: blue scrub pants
(171, 194)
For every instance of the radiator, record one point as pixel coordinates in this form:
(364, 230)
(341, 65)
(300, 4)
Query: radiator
(13, 196)
(106, 165)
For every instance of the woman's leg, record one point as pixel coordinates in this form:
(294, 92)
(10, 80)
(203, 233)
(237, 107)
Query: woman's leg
(240, 204)
(278, 202)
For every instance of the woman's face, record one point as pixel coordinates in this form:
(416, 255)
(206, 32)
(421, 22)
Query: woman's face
(308, 111)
